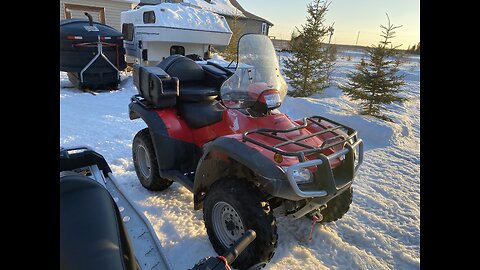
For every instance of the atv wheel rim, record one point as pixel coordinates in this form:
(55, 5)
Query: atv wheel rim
(227, 224)
(143, 160)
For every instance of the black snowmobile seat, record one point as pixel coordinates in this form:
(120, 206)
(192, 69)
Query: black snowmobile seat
(197, 83)
(92, 234)
(201, 114)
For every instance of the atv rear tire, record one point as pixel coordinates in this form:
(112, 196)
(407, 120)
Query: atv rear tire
(231, 207)
(145, 162)
(338, 206)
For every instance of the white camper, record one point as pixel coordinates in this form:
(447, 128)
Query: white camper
(154, 32)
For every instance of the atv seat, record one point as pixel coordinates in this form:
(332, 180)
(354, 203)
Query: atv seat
(197, 83)
(200, 114)
(92, 234)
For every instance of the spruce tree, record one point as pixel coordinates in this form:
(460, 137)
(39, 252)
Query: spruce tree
(413, 49)
(332, 58)
(309, 67)
(376, 82)
(417, 50)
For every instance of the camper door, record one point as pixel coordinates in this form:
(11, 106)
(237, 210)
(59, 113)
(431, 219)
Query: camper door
(133, 47)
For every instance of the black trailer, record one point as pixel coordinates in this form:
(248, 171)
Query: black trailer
(91, 53)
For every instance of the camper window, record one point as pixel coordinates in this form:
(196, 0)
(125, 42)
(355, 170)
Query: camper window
(149, 17)
(177, 50)
(127, 31)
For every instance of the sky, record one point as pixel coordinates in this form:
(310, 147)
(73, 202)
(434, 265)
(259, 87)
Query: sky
(349, 16)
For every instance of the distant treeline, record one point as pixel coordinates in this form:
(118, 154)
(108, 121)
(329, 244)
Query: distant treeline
(283, 45)
(415, 49)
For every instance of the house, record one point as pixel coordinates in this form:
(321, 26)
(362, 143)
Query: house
(103, 11)
(251, 23)
(281, 44)
(230, 9)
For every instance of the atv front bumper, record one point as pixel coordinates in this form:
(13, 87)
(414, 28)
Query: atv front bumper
(325, 172)
(327, 183)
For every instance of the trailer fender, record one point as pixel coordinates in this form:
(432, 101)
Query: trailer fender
(229, 157)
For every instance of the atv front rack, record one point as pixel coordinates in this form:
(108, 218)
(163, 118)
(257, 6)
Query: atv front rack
(337, 138)
(329, 183)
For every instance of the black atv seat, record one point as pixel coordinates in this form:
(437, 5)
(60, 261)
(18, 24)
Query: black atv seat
(201, 114)
(197, 83)
(92, 235)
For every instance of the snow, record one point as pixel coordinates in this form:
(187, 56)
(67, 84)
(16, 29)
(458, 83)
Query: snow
(218, 59)
(218, 6)
(129, 1)
(381, 230)
(180, 16)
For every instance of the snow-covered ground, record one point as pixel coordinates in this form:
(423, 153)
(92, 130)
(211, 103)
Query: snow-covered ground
(381, 230)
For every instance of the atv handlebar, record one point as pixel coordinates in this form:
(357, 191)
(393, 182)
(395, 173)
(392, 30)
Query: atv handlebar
(223, 262)
(232, 253)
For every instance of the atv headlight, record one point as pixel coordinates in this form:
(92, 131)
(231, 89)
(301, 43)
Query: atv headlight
(301, 175)
(273, 100)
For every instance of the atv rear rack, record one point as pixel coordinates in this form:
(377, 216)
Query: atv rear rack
(337, 138)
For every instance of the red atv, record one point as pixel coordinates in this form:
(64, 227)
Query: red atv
(218, 133)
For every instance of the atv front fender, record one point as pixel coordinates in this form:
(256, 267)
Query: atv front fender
(218, 161)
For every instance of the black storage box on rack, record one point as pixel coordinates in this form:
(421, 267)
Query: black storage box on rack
(155, 86)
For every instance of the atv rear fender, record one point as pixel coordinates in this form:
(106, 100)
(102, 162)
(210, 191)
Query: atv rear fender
(172, 154)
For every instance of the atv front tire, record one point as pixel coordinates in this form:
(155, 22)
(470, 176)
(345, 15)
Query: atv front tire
(231, 207)
(145, 162)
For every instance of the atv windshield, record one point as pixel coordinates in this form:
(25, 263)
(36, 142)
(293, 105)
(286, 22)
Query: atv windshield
(257, 70)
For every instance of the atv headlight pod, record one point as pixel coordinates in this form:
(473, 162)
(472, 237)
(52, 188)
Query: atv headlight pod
(301, 175)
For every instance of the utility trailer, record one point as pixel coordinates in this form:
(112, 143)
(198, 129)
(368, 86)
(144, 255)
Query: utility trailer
(91, 53)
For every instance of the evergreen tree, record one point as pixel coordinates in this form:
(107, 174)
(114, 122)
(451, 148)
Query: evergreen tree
(375, 81)
(332, 58)
(417, 51)
(309, 68)
(413, 48)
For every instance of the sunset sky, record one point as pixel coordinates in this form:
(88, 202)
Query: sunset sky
(350, 17)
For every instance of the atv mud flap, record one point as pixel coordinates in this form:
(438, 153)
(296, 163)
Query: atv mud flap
(328, 183)
(147, 248)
